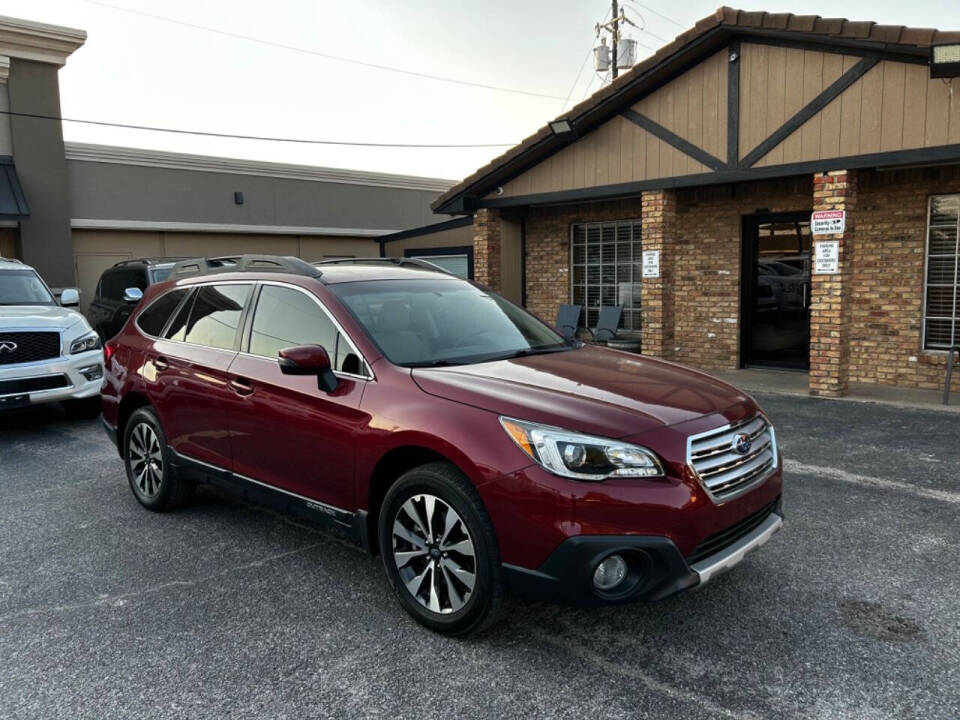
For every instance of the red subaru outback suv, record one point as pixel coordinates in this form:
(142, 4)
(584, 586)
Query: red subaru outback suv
(438, 424)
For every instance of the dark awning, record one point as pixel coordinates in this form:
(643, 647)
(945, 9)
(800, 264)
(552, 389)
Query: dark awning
(13, 203)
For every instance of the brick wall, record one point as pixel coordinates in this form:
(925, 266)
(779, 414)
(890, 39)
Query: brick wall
(886, 313)
(707, 272)
(486, 248)
(886, 266)
(830, 300)
(548, 249)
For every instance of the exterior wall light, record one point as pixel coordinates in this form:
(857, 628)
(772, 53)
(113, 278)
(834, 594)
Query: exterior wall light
(945, 61)
(561, 127)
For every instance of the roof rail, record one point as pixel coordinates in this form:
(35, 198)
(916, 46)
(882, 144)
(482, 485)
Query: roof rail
(243, 263)
(414, 262)
(10, 260)
(151, 260)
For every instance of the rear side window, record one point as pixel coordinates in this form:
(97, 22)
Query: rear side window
(114, 282)
(214, 317)
(154, 318)
(286, 318)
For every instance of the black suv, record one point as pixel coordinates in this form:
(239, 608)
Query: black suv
(112, 304)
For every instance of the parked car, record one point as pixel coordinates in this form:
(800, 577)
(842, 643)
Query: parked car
(440, 425)
(120, 289)
(48, 352)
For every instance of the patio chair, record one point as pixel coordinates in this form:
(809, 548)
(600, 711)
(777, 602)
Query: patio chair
(568, 320)
(607, 323)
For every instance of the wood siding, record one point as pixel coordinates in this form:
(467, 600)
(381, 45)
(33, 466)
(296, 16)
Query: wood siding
(893, 106)
(693, 106)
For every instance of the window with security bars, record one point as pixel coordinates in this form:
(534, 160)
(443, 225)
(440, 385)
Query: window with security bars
(941, 321)
(606, 261)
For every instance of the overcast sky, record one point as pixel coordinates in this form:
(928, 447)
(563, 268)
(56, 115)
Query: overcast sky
(144, 71)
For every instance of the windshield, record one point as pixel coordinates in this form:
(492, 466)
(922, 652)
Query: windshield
(23, 287)
(421, 323)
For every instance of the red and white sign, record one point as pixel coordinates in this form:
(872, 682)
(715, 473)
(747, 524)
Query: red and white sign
(828, 222)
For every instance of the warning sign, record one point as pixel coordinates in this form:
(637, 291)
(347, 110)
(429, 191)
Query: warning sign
(828, 222)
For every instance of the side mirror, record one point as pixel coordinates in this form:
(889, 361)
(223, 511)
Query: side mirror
(132, 295)
(309, 360)
(69, 297)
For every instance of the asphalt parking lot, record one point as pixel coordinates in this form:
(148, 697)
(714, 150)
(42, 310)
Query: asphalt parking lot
(228, 610)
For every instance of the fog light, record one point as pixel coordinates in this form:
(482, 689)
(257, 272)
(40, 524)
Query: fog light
(610, 573)
(92, 372)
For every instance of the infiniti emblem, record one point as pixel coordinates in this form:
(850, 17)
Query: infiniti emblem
(742, 443)
(6, 347)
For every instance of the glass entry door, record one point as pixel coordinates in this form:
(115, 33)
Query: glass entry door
(776, 302)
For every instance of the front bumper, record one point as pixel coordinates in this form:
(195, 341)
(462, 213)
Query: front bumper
(75, 386)
(657, 570)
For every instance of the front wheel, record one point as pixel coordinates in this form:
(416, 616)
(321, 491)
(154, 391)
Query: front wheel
(440, 552)
(147, 460)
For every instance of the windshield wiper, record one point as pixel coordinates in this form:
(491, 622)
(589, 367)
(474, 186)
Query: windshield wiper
(431, 364)
(527, 352)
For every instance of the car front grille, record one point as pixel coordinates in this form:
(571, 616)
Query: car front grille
(725, 538)
(28, 385)
(25, 347)
(731, 458)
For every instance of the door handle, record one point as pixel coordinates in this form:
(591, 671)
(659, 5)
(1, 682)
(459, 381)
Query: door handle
(242, 386)
(161, 363)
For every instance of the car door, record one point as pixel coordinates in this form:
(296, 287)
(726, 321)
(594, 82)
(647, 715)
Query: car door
(187, 371)
(285, 431)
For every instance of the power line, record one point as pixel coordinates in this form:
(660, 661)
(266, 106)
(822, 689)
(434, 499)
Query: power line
(204, 133)
(643, 28)
(294, 48)
(582, 66)
(658, 14)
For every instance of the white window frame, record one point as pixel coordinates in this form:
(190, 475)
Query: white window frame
(636, 276)
(954, 321)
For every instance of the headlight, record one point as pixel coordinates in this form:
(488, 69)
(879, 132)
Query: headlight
(582, 457)
(87, 342)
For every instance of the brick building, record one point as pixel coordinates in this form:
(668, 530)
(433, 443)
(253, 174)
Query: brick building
(709, 157)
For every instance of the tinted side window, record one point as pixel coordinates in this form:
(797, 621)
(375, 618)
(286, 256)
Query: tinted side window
(215, 316)
(152, 320)
(286, 318)
(114, 282)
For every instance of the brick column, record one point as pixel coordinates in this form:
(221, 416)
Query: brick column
(830, 294)
(658, 220)
(486, 248)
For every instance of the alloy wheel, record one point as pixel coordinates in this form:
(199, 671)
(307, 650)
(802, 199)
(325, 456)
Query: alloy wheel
(434, 554)
(146, 460)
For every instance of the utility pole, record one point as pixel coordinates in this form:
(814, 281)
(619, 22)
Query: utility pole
(616, 34)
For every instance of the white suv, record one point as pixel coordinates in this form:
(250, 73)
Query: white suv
(48, 353)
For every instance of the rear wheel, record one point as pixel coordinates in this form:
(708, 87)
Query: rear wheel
(440, 552)
(147, 460)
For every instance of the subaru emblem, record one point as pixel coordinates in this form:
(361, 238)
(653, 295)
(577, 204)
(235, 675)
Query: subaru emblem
(742, 443)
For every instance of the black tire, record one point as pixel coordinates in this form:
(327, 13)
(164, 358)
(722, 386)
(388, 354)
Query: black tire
(482, 604)
(85, 409)
(157, 488)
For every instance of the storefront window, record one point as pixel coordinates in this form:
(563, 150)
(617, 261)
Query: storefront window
(941, 322)
(606, 262)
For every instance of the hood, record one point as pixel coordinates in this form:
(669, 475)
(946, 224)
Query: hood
(592, 390)
(37, 317)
